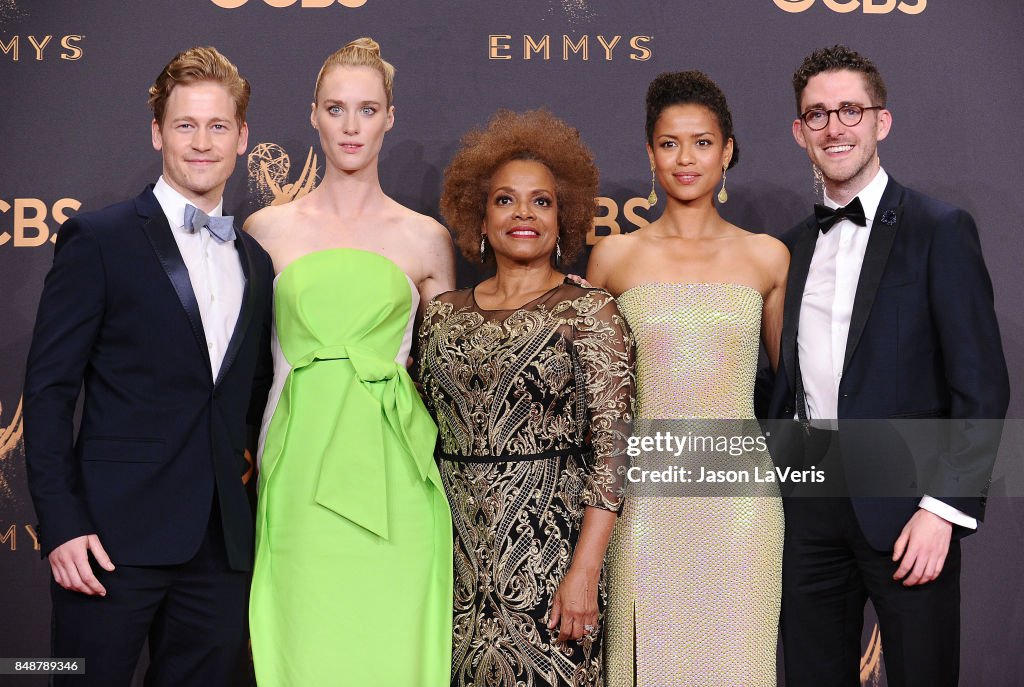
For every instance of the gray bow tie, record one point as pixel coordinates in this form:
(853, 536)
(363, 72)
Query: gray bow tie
(222, 228)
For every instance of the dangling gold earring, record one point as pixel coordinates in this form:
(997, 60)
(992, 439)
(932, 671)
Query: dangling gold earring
(819, 181)
(483, 248)
(652, 199)
(723, 195)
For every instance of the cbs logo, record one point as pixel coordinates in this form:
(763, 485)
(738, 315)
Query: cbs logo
(844, 6)
(233, 4)
(30, 228)
(609, 221)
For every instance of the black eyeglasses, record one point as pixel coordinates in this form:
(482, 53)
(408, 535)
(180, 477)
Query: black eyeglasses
(816, 119)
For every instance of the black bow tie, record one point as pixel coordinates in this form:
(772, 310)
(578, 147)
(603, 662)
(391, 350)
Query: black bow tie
(827, 216)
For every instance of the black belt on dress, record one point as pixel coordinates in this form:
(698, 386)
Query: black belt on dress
(515, 457)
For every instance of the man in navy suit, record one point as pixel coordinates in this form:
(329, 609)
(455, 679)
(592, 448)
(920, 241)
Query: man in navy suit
(161, 309)
(889, 314)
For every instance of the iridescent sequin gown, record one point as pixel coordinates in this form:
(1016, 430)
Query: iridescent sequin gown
(695, 582)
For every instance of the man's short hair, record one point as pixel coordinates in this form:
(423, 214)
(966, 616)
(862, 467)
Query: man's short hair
(193, 66)
(834, 59)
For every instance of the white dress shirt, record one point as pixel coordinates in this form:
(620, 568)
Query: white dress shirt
(214, 268)
(825, 319)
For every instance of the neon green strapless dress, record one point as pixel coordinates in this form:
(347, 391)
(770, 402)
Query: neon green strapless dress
(353, 577)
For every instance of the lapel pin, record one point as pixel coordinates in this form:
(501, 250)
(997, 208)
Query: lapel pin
(889, 217)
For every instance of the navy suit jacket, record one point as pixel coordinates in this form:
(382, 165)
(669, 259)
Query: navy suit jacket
(923, 343)
(159, 437)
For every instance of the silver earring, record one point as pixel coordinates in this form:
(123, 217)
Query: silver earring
(483, 248)
(558, 251)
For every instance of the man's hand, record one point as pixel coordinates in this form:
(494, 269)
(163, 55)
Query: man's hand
(70, 565)
(923, 545)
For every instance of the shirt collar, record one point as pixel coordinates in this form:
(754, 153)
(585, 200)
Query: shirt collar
(870, 196)
(173, 204)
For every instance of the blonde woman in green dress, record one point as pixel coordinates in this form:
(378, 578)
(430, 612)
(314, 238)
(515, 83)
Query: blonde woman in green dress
(695, 582)
(353, 574)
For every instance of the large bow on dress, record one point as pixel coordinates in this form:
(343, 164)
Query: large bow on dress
(374, 395)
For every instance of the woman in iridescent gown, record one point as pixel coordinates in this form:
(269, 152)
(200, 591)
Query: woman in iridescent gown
(695, 580)
(353, 572)
(530, 377)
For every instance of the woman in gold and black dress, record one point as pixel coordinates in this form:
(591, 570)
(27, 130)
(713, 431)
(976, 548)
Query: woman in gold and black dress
(529, 377)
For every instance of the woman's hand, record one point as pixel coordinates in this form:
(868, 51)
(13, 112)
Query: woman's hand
(581, 281)
(574, 608)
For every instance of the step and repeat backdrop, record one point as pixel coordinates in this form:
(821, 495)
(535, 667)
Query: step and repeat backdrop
(75, 136)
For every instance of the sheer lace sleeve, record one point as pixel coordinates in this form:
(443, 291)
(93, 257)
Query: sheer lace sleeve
(422, 365)
(605, 348)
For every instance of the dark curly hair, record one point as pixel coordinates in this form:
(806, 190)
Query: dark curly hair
(834, 59)
(689, 88)
(536, 135)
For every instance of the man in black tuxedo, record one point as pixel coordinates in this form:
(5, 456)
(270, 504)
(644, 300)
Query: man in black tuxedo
(889, 314)
(162, 310)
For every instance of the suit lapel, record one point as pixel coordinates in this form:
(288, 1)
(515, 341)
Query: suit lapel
(158, 231)
(883, 232)
(799, 265)
(253, 286)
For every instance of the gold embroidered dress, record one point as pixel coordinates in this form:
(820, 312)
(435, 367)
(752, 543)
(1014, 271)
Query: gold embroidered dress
(533, 408)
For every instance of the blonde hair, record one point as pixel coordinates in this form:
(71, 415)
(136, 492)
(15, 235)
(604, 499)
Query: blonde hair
(195, 65)
(362, 52)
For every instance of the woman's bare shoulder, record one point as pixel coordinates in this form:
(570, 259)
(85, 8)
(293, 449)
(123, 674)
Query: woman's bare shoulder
(768, 247)
(270, 222)
(613, 248)
(419, 229)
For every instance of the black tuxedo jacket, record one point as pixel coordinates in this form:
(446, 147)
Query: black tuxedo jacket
(923, 343)
(159, 437)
